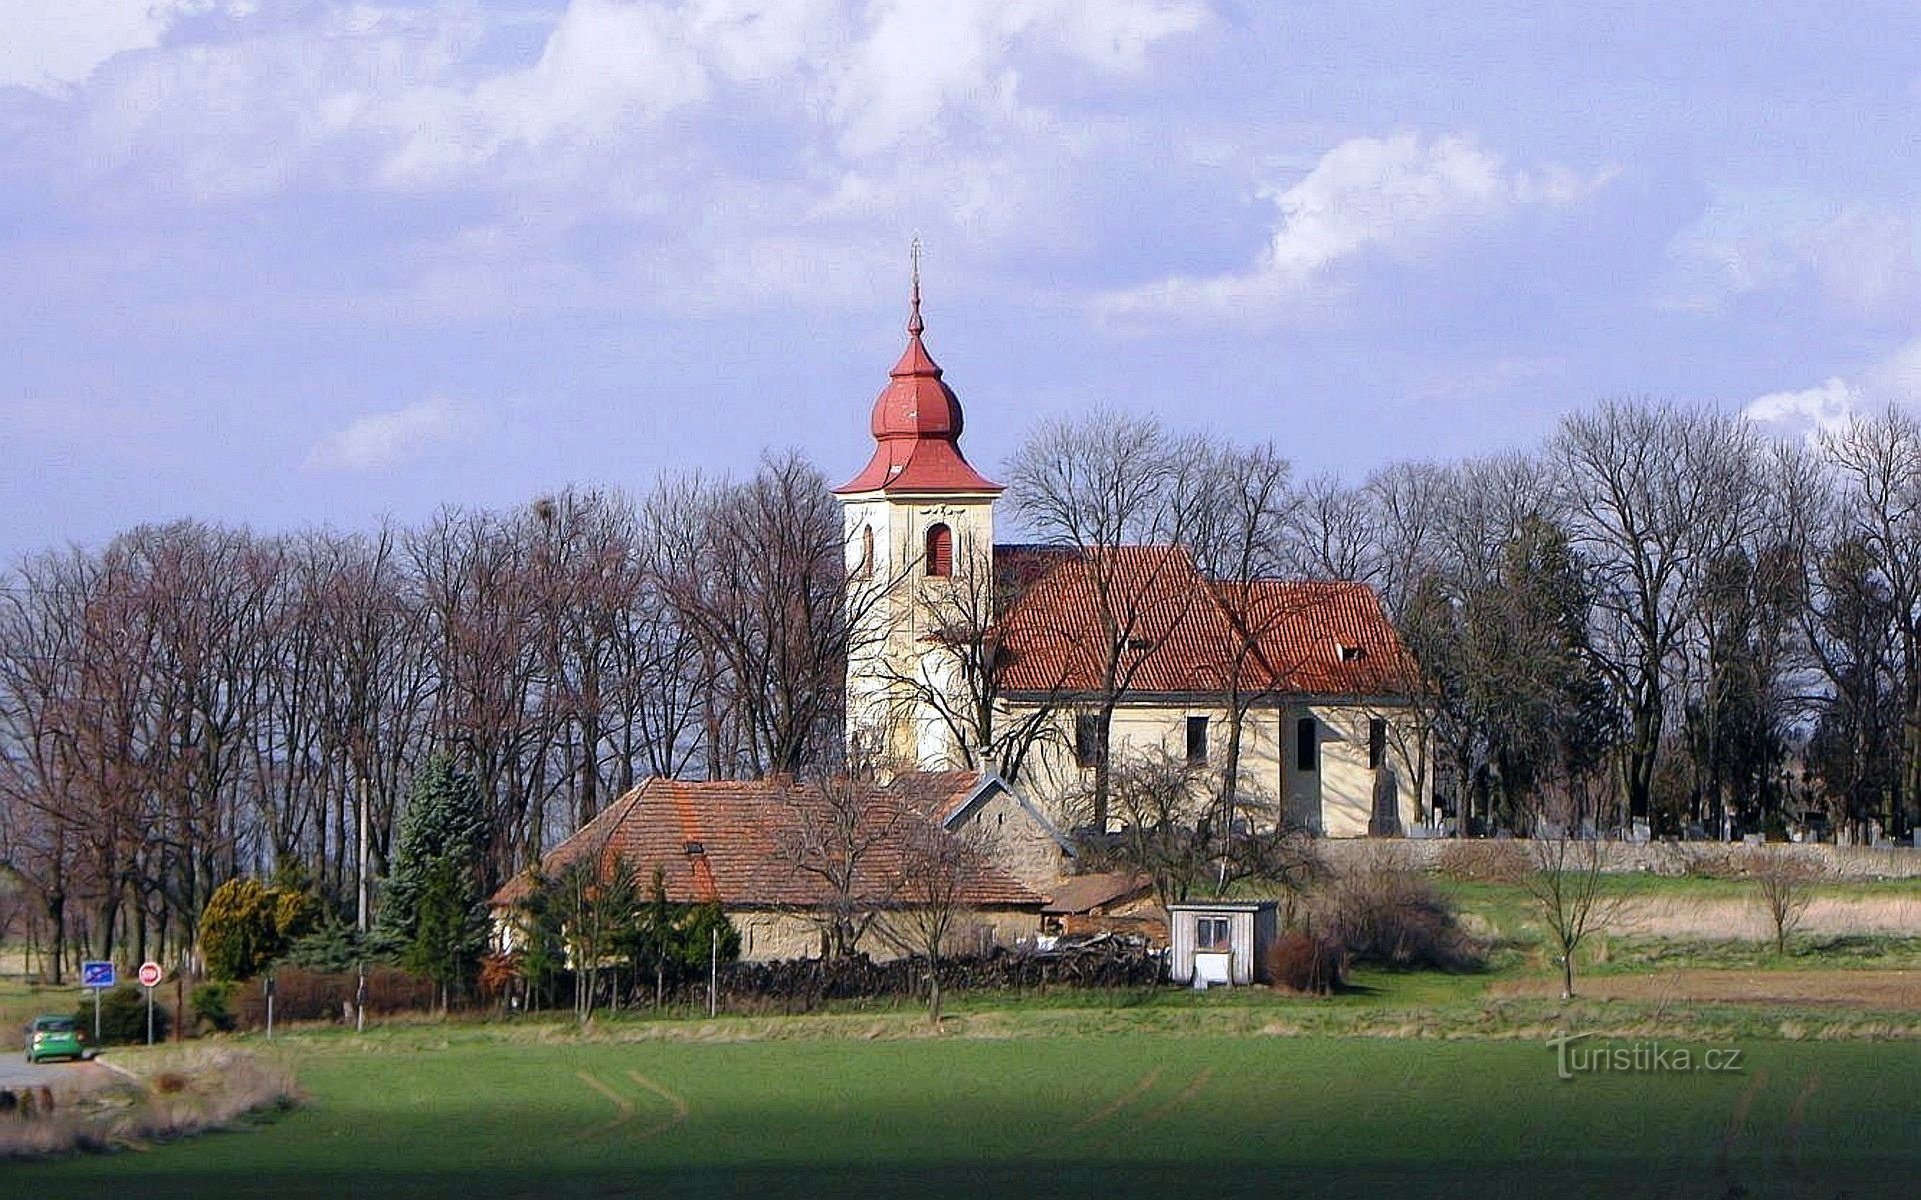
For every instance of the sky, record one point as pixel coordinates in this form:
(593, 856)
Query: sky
(295, 262)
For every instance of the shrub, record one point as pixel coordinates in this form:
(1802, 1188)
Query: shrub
(123, 1017)
(333, 947)
(1301, 962)
(212, 1006)
(327, 996)
(1380, 911)
(246, 925)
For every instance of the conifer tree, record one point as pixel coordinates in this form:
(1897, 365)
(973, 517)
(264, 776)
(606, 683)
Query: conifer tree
(432, 901)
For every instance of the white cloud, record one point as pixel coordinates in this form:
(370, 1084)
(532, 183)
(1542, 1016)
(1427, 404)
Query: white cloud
(1897, 378)
(1894, 379)
(1858, 259)
(388, 439)
(1393, 196)
(49, 45)
(918, 60)
(469, 159)
(1807, 413)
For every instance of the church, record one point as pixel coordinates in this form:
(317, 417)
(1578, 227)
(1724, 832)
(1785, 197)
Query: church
(970, 654)
(974, 692)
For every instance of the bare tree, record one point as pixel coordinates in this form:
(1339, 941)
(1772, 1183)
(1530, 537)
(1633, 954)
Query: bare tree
(1330, 532)
(961, 670)
(1652, 494)
(1784, 885)
(1091, 487)
(1878, 461)
(936, 870)
(1239, 539)
(1175, 832)
(759, 575)
(1569, 893)
(834, 833)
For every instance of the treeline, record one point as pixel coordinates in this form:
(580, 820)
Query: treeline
(1659, 615)
(192, 702)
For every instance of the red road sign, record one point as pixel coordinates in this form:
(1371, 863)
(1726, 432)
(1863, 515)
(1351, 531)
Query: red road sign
(151, 974)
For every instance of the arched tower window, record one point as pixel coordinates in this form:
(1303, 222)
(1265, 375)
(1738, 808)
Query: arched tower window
(866, 568)
(940, 550)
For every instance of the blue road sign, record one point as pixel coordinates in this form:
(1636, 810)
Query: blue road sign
(96, 974)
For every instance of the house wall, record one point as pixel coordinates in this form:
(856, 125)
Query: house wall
(1335, 799)
(766, 936)
(1015, 842)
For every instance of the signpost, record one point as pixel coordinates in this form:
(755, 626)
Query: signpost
(97, 976)
(150, 977)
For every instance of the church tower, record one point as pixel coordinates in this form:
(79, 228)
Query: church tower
(919, 525)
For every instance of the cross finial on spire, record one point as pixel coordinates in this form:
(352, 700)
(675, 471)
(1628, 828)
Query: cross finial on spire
(914, 323)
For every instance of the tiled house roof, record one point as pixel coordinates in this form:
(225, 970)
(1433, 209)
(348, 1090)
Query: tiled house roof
(1183, 630)
(736, 842)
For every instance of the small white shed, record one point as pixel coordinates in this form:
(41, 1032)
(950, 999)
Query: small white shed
(1220, 941)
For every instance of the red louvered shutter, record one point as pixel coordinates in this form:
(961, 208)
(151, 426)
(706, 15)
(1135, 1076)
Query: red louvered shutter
(940, 550)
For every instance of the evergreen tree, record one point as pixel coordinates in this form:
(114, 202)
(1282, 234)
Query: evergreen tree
(431, 907)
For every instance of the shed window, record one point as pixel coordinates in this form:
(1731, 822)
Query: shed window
(1307, 744)
(1213, 933)
(1376, 743)
(1087, 739)
(940, 550)
(1197, 741)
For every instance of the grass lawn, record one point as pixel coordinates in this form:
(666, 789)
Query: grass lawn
(1409, 1085)
(538, 1112)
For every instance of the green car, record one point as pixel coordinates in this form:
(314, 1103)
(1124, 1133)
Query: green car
(53, 1037)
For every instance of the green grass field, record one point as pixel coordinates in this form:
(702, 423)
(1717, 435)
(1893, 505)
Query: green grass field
(1410, 1085)
(476, 1112)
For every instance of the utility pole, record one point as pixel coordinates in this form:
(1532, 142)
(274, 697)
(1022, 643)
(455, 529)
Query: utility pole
(360, 881)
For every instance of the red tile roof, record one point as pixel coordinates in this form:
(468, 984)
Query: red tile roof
(1183, 630)
(1085, 893)
(935, 794)
(916, 425)
(737, 842)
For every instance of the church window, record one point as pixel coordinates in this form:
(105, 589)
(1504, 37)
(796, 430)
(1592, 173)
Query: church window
(940, 551)
(1197, 741)
(1307, 744)
(1087, 739)
(1376, 742)
(866, 569)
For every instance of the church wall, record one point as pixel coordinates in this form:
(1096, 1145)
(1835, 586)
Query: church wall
(1335, 799)
(896, 620)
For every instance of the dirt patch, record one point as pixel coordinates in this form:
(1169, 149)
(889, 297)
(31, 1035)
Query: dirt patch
(1877, 990)
(1732, 917)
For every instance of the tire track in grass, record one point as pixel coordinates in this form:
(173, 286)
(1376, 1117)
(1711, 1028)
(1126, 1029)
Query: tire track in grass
(672, 1098)
(1112, 1108)
(1194, 1088)
(624, 1107)
(1797, 1120)
(1738, 1123)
